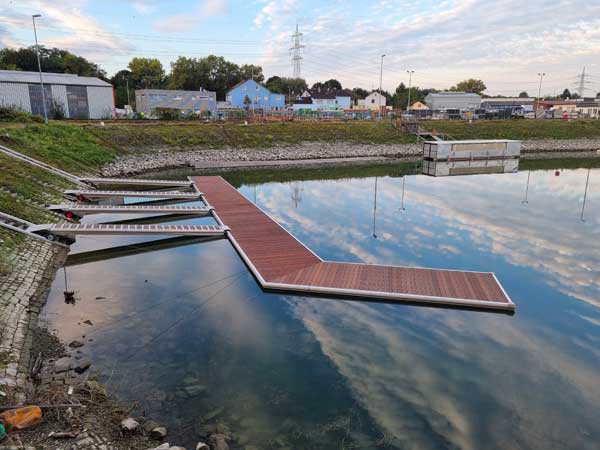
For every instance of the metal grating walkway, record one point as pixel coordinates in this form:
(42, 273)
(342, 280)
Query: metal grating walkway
(93, 195)
(82, 209)
(71, 229)
(136, 182)
(280, 262)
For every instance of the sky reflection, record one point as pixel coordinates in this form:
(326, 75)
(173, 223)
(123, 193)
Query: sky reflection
(319, 373)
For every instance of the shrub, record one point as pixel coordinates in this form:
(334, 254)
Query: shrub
(12, 113)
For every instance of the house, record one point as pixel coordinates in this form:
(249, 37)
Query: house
(374, 100)
(506, 103)
(317, 100)
(251, 95)
(589, 109)
(148, 101)
(462, 101)
(69, 95)
(418, 106)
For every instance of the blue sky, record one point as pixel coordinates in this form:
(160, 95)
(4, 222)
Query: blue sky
(504, 42)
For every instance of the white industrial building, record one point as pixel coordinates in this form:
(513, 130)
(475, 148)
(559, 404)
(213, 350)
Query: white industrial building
(462, 101)
(78, 97)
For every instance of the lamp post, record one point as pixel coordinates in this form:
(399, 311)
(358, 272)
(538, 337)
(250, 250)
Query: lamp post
(380, 80)
(541, 75)
(37, 51)
(410, 72)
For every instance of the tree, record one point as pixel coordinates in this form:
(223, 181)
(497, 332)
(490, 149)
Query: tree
(252, 72)
(358, 93)
(523, 94)
(328, 86)
(470, 86)
(121, 80)
(52, 60)
(146, 73)
(287, 86)
(566, 94)
(247, 101)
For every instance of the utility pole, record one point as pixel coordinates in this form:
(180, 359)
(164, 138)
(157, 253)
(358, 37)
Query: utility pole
(380, 80)
(37, 51)
(410, 72)
(296, 56)
(541, 75)
(583, 78)
(127, 87)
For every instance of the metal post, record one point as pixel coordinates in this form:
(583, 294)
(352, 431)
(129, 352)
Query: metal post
(402, 201)
(375, 209)
(587, 181)
(541, 75)
(127, 87)
(37, 51)
(410, 72)
(380, 81)
(526, 188)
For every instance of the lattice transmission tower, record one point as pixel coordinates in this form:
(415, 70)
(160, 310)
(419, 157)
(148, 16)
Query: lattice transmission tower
(295, 51)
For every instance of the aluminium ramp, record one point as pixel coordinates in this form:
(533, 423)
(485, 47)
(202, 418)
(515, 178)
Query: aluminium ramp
(83, 209)
(90, 195)
(97, 181)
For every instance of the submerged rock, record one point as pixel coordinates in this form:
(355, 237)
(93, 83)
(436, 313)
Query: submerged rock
(213, 414)
(158, 433)
(129, 425)
(218, 442)
(76, 344)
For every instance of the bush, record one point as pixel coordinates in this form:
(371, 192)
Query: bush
(12, 113)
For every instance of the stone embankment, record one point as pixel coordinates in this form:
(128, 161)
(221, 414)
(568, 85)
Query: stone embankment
(23, 292)
(312, 152)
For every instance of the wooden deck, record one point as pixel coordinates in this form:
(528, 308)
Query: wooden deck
(280, 262)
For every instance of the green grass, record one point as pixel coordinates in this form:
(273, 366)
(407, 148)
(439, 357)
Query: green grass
(216, 136)
(68, 147)
(516, 129)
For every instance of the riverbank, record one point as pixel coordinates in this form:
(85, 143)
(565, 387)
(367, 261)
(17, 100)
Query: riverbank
(315, 153)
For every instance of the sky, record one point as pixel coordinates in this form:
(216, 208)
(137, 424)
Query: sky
(506, 43)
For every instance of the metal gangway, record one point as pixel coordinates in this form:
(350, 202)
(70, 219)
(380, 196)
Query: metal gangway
(98, 181)
(74, 210)
(82, 195)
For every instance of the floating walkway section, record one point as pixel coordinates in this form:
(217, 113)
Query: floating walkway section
(74, 210)
(92, 195)
(281, 262)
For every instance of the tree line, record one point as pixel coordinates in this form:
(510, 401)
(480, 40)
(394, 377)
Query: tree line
(213, 73)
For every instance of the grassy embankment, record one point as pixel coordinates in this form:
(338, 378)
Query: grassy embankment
(516, 129)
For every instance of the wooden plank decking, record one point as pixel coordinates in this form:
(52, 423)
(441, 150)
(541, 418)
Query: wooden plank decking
(281, 262)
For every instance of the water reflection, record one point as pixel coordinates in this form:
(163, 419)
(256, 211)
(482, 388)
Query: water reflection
(186, 331)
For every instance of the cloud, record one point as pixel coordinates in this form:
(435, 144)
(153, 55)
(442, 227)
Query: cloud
(187, 21)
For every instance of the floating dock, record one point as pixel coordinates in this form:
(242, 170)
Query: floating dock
(449, 158)
(74, 210)
(281, 262)
(92, 195)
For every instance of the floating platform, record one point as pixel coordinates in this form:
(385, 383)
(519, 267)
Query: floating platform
(136, 182)
(91, 195)
(449, 158)
(281, 262)
(74, 210)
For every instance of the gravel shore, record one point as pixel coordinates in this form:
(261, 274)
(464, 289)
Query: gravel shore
(161, 158)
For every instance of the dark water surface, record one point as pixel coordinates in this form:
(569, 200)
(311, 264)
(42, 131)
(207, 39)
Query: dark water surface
(186, 332)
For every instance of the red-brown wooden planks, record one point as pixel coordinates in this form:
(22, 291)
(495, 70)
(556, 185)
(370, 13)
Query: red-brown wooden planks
(284, 263)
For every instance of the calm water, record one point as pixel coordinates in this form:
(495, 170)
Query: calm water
(186, 332)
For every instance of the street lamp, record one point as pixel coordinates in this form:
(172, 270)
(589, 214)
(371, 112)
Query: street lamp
(409, 72)
(37, 51)
(541, 75)
(380, 80)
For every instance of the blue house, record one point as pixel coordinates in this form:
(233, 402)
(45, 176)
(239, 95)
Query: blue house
(259, 96)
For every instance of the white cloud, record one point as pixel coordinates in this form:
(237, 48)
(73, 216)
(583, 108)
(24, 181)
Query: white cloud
(187, 21)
